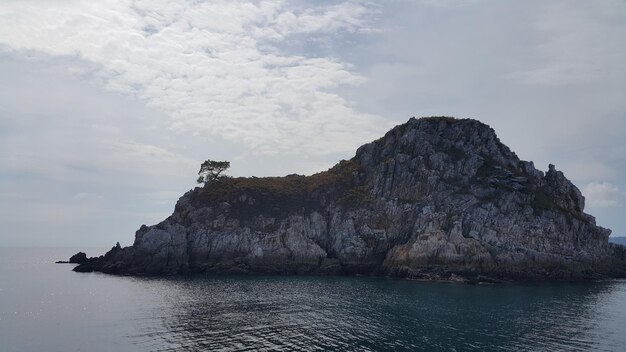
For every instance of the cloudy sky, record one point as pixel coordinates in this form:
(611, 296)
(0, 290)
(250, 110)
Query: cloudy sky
(108, 107)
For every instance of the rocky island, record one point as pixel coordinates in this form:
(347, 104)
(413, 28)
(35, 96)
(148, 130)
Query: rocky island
(435, 198)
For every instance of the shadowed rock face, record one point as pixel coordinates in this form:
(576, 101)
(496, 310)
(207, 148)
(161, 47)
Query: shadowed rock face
(433, 198)
(78, 258)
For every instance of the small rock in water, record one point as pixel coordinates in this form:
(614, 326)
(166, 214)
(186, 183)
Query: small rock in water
(78, 258)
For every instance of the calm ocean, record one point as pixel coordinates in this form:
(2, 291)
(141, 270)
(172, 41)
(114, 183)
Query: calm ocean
(47, 307)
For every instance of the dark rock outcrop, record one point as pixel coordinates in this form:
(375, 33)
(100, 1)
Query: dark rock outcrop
(435, 198)
(78, 258)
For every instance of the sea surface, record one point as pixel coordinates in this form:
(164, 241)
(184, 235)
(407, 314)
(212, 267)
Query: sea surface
(47, 307)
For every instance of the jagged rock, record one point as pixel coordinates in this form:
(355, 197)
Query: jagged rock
(434, 198)
(78, 258)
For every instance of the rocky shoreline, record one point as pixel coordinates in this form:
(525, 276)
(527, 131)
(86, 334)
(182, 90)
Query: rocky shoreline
(434, 199)
(614, 269)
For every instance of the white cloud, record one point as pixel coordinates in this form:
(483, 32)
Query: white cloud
(257, 83)
(576, 48)
(87, 195)
(602, 195)
(214, 67)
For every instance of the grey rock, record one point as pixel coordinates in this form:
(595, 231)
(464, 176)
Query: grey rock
(435, 198)
(78, 258)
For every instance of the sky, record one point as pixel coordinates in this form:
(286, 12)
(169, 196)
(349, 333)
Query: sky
(107, 108)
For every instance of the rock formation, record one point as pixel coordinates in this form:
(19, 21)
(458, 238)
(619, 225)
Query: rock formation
(77, 258)
(434, 198)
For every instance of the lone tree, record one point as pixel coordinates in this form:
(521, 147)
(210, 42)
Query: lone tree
(210, 170)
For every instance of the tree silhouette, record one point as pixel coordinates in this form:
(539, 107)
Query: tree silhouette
(210, 170)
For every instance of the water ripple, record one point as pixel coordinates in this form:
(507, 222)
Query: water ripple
(46, 307)
(348, 314)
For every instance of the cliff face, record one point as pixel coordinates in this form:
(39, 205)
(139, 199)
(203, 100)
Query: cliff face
(432, 198)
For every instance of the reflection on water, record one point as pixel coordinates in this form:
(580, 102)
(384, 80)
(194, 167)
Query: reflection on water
(304, 313)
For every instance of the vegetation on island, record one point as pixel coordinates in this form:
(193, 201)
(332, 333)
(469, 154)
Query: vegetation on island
(211, 170)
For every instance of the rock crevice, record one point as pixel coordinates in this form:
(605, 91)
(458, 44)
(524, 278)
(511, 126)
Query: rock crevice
(434, 198)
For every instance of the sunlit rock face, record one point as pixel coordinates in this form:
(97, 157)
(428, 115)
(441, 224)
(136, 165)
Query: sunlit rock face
(434, 198)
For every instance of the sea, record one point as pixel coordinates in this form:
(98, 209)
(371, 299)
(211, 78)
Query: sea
(47, 307)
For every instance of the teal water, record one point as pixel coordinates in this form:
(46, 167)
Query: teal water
(47, 307)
